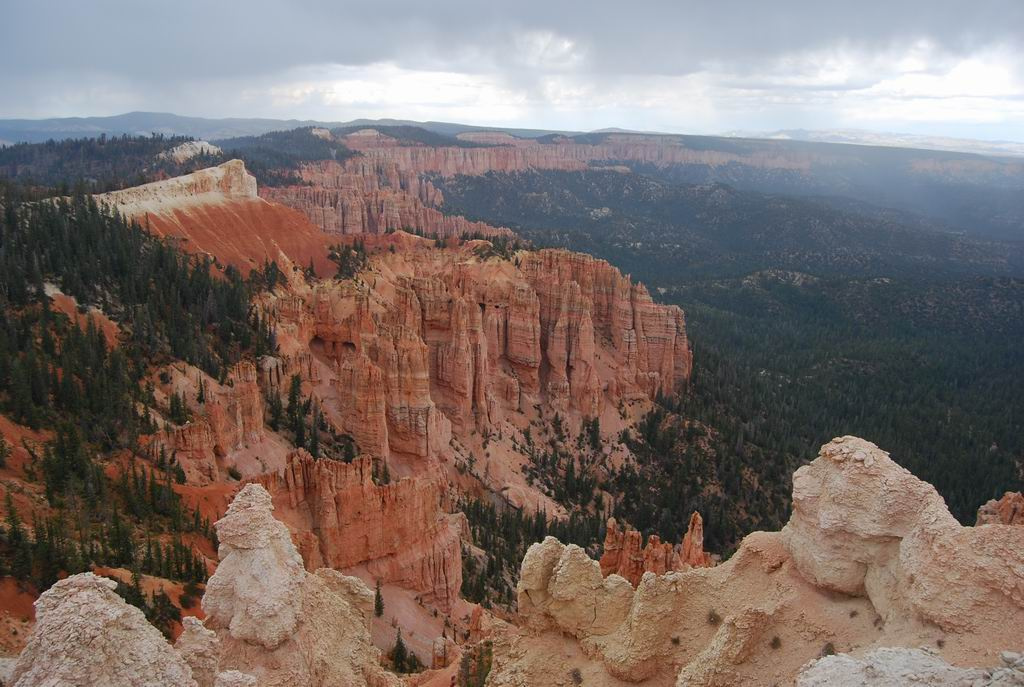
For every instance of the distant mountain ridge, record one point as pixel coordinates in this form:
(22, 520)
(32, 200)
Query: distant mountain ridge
(145, 123)
(888, 139)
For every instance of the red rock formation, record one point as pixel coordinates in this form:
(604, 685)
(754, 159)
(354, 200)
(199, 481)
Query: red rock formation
(384, 187)
(230, 419)
(401, 532)
(563, 154)
(235, 412)
(1008, 510)
(692, 552)
(625, 554)
(192, 445)
(217, 212)
(371, 198)
(430, 340)
(649, 347)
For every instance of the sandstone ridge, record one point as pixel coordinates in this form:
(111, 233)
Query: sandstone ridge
(217, 212)
(870, 558)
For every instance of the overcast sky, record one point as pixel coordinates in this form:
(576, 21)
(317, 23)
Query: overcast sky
(920, 66)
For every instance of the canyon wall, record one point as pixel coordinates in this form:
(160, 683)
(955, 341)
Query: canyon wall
(364, 197)
(229, 420)
(401, 532)
(432, 342)
(562, 153)
(385, 186)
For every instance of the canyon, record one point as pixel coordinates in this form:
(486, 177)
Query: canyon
(441, 366)
(431, 359)
(387, 186)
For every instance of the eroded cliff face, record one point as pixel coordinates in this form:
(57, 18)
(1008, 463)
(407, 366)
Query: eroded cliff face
(870, 558)
(229, 420)
(217, 212)
(402, 532)
(278, 622)
(427, 331)
(1006, 510)
(559, 154)
(368, 197)
(386, 187)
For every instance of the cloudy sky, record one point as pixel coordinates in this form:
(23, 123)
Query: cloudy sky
(922, 66)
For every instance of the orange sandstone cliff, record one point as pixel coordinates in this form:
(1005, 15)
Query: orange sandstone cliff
(400, 532)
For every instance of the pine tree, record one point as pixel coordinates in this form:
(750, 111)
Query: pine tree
(399, 654)
(378, 602)
(21, 564)
(314, 435)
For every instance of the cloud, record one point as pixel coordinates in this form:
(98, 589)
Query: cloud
(686, 65)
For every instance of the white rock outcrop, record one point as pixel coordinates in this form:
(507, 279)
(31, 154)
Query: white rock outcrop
(863, 525)
(278, 623)
(227, 181)
(233, 678)
(188, 150)
(200, 649)
(895, 667)
(256, 593)
(86, 635)
(870, 558)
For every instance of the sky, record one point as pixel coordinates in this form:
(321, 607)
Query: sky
(932, 67)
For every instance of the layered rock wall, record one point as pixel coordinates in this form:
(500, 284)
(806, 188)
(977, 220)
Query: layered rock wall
(1007, 510)
(217, 212)
(431, 342)
(365, 197)
(564, 154)
(401, 532)
(230, 419)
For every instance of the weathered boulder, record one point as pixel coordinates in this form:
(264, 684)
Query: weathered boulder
(87, 635)
(870, 557)
(255, 595)
(863, 525)
(897, 667)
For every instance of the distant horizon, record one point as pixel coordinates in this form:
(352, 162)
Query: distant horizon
(611, 128)
(920, 67)
(835, 135)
